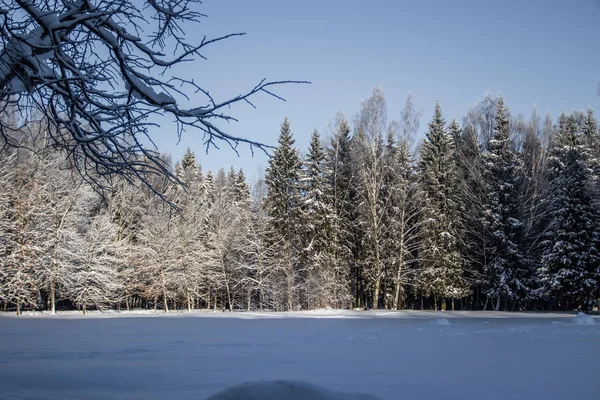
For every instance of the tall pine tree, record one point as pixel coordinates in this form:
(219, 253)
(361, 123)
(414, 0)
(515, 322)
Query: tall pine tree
(282, 204)
(508, 273)
(442, 263)
(569, 272)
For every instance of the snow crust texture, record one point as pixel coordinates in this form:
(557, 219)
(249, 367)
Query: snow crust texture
(322, 355)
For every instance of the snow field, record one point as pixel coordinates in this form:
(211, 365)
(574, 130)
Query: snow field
(388, 355)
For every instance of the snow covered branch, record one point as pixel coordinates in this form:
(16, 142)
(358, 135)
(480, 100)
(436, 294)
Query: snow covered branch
(97, 72)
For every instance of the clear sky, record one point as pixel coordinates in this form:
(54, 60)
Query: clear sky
(543, 53)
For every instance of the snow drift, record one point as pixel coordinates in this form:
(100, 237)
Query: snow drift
(288, 390)
(440, 322)
(583, 319)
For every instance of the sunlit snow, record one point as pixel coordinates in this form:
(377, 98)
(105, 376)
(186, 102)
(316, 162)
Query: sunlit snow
(388, 355)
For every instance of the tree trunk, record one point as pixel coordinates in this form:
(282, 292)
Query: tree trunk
(18, 308)
(52, 297)
(376, 292)
(398, 285)
(487, 299)
(453, 304)
(443, 304)
(165, 301)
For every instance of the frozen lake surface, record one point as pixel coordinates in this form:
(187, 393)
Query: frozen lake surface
(390, 355)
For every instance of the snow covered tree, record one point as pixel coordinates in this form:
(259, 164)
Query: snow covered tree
(59, 56)
(227, 220)
(282, 205)
(95, 257)
(472, 189)
(441, 272)
(156, 264)
(482, 117)
(508, 274)
(369, 158)
(342, 196)
(592, 140)
(25, 229)
(259, 264)
(190, 224)
(401, 218)
(569, 272)
(69, 205)
(317, 226)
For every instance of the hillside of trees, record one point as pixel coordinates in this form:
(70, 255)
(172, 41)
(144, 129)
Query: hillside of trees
(497, 212)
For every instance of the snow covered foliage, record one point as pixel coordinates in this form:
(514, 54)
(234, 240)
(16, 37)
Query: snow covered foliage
(318, 230)
(569, 273)
(363, 220)
(508, 273)
(96, 72)
(342, 193)
(282, 204)
(369, 166)
(441, 275)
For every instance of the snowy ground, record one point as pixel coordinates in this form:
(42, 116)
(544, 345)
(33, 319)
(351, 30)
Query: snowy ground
(391, 355)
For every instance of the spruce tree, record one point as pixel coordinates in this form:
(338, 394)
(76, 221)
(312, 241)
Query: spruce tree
(282, 205)
(442, 263)
(342, 194)
(508, 273)
(317, 228)
(469, 159)
(569, 272)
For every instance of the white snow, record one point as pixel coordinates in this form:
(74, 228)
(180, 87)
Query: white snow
(440, 321)
(389, 355)
(583, 319)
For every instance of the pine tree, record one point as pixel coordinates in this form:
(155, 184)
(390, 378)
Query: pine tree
(469, 159)
(342, 197)
(282, 205)
(442, 263)
(592, 140)
(317, 221)
(508, 273)
(569, 273)
(190, 225)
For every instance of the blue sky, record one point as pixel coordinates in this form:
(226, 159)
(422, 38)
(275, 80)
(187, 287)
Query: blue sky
(542, 53)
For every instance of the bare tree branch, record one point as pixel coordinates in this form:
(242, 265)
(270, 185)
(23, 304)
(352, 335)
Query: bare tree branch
(96, 73)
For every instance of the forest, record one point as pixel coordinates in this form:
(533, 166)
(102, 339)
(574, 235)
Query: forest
(496, 212)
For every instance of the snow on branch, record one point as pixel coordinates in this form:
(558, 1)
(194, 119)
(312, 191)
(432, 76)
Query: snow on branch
(97, 73)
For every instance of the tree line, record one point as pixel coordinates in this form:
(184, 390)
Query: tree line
(498, 212)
